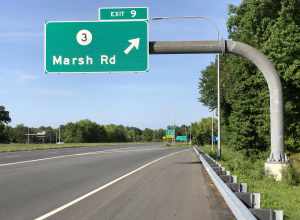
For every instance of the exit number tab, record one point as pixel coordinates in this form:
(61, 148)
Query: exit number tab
(132, 13)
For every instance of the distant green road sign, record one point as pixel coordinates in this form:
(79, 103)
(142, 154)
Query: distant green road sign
(182, 138)
(117, 13)
(170, 133)
(91, 47)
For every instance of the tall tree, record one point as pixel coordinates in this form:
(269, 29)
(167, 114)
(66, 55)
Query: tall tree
(4, 119)
(201, 131)
(273, 27)
(148, 134)
(17, 134)
(84, 131)
(208, 86)
(4, 115)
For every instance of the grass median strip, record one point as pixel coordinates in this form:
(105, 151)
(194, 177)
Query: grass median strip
(28, 147)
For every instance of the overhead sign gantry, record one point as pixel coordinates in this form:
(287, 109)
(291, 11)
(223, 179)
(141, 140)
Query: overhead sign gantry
(122, 45)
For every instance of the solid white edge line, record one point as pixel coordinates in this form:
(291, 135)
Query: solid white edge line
(53, 212)
(128, 149)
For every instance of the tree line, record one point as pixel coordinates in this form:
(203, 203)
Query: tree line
(83, 131)
(273, 27)
(86, 131)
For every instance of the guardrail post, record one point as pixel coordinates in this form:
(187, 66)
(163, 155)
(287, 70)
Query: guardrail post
(256, 200)
(278, 214)
(244, 187)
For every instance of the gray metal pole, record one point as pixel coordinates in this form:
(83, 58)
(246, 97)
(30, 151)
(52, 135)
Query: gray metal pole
(212, 130)
(190, 134)
(219, 109)
(186, 134)
(28, 138)
(174, 138)
(256, 57)
(59, 134)
(276, 99)
(211, 21)
(186, 47)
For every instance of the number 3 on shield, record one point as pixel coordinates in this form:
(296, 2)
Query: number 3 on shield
(84, 37)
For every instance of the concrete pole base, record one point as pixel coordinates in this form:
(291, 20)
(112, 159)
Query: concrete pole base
(275, 169)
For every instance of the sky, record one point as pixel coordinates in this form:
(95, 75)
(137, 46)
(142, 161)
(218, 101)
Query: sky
(167, 94)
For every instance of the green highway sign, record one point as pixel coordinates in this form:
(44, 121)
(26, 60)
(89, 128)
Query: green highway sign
(170, 132)
(182, 138)
(116, 13)
(92, 47)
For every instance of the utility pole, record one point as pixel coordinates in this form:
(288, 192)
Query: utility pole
(215, 26)
(191, 134)
(212, 130)
(28, 138)
(219, 107)
(174, 133)
(59, 134)
(186, 134)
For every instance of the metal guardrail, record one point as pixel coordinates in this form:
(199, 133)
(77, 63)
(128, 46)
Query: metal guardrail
(239, 210)
(244, 205)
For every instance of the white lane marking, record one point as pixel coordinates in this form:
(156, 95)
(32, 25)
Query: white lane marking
(53, 212)
(128, 149)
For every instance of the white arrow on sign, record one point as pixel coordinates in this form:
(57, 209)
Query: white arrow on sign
(134, 43)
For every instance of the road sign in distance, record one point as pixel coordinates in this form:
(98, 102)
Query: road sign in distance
(182, 138)
(170, 132)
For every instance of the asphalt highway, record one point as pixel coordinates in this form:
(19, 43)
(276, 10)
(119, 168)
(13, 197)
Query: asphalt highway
(128, 182)
(10, 157)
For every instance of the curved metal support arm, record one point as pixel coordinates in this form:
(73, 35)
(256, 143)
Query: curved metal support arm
(186, 47)
(256, 57)
(275, 90)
